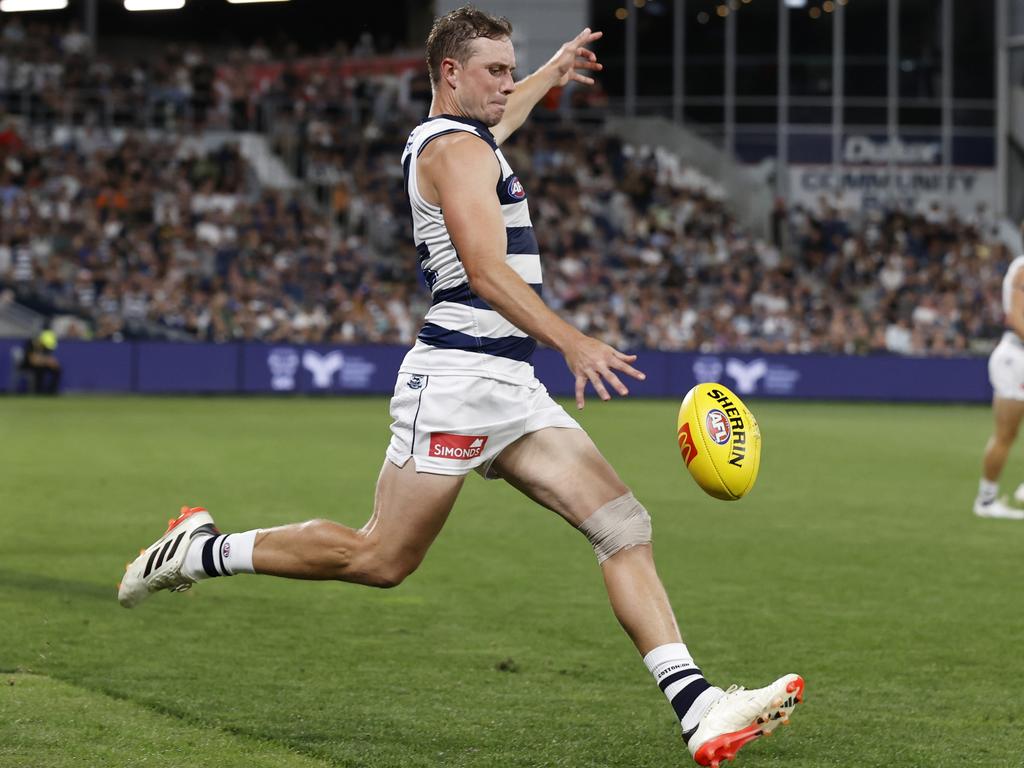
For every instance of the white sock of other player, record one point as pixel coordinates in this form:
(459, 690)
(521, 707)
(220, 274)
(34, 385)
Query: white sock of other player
(220, 555)
(987, 491)
(683, 683)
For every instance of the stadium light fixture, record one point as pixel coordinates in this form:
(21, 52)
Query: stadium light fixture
(16, 6)
(796, 3)
(153, 5)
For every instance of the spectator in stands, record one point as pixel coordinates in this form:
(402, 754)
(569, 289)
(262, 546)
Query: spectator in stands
(40, 362)
(146, 236)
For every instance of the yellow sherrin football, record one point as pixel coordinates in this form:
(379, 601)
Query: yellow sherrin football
(719, 440)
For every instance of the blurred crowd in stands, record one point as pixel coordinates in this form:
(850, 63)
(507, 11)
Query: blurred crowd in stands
(127, 209)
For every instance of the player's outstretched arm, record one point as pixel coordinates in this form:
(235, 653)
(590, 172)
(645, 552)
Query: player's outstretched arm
(460, 173)
(559, 70)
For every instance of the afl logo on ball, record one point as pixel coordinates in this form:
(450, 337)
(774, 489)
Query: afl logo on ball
(718, 427)
(515, 188)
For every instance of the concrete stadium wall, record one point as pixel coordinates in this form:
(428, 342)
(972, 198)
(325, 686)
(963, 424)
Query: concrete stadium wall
(254, 368)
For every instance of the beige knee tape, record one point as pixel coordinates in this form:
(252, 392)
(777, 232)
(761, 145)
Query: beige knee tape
(619, 524)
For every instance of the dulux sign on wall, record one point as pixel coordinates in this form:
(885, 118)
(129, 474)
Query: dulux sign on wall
(875, 173)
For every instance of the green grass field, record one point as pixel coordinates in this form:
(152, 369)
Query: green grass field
(855, 561)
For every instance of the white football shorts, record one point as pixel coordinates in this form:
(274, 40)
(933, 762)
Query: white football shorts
(450, 425)
(1006, 369)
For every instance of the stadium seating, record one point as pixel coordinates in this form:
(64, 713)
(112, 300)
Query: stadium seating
(121, 209)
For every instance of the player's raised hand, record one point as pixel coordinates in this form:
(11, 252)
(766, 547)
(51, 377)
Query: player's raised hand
(594, 361)
(573, 56)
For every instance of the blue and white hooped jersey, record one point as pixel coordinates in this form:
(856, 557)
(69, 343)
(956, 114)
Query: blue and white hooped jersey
(1011, 274)
(461, 334)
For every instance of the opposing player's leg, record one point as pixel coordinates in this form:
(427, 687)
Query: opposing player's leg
(1006, 417)
(409, 511)
(563, 470)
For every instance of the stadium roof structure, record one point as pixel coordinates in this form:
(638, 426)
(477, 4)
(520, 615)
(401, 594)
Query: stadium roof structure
(306, 23)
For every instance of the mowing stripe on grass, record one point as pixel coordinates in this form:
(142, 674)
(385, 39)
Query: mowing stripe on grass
(47, 723)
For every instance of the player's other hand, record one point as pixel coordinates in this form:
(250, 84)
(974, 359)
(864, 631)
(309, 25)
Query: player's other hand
(573, 56)
(594, 361)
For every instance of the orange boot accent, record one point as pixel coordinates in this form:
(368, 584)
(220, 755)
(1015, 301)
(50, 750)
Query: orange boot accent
(186, 512)
(798, 686)
(725, 747)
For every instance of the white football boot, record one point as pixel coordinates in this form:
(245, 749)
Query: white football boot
(997, 508)
(1018, 495)
(159, 566)
(740, 716)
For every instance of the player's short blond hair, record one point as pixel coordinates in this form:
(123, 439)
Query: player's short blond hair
(453, 34)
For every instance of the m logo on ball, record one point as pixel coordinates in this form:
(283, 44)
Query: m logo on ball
(718, 427)
(687, 447)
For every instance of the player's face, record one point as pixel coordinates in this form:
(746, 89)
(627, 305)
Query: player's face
(486, 80)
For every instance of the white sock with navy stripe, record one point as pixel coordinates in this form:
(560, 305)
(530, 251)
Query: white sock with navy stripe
(683, 683)
(221, 554)
(987, 491)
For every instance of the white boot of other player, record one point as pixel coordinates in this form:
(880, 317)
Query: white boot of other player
(1018, 495)
(997, 508)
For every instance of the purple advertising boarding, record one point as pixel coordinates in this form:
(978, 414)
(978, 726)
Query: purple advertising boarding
(170, 368)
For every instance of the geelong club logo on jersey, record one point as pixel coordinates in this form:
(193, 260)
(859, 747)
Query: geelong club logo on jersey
(515, 188)
(461, 447)
(718, 426)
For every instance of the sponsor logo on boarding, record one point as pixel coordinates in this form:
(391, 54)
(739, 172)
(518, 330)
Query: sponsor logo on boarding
(327, 371)
(515, 188)
(687, 447)
(283, 363)
(322, 367)
(718, 427)
(749, 377)
(460, 447)
(746, 375)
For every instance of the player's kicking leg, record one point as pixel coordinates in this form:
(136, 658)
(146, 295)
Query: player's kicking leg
(563, 470)
(410, 509)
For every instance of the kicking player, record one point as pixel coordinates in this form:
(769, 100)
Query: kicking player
(467, 398)
(1006, 373)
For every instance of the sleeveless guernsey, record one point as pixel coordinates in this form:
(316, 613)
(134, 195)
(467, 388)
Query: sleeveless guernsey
(461, 334)
(1011, 273)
